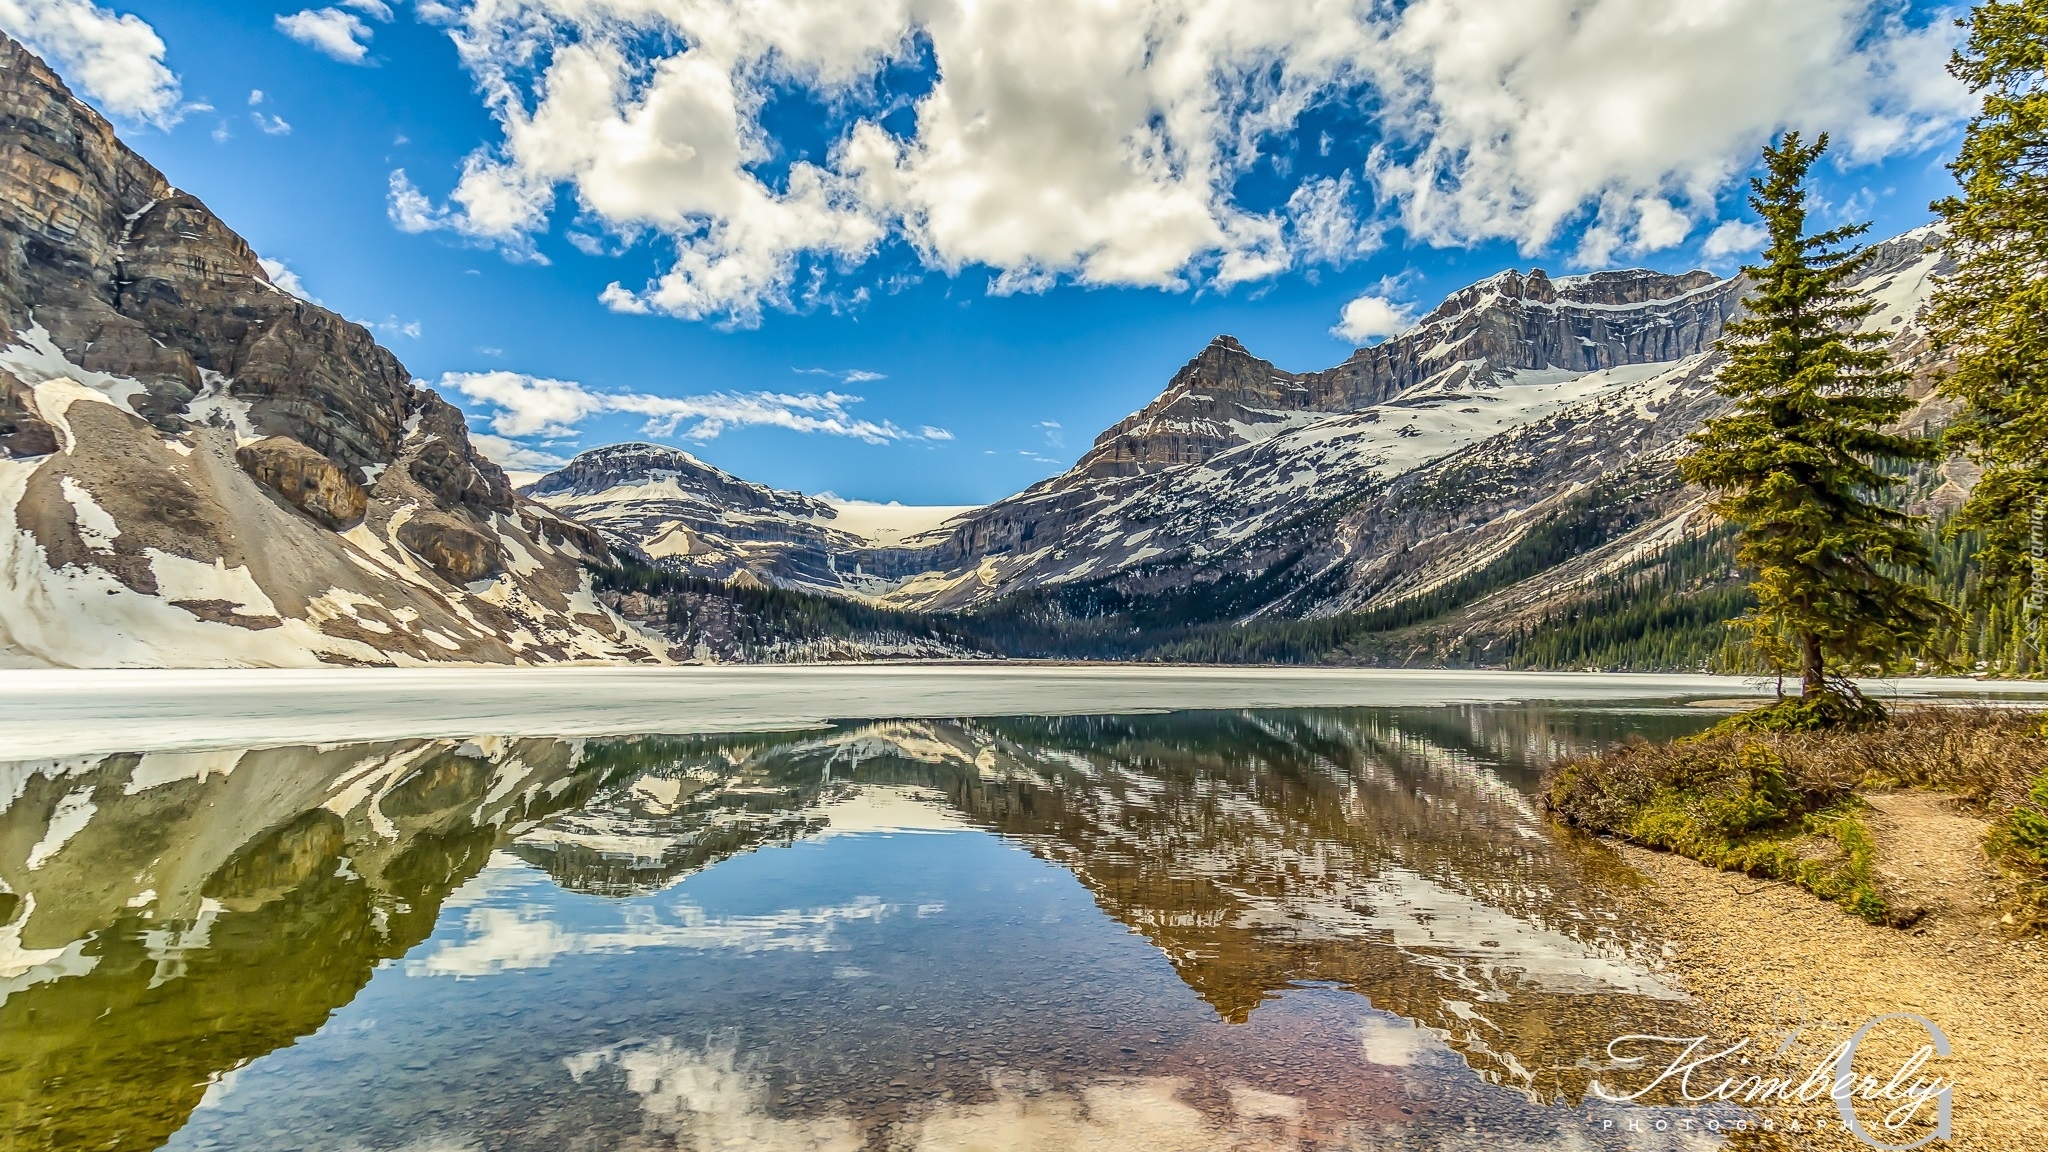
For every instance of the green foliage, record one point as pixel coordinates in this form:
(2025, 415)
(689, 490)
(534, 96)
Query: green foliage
(1762, 795)
(1385, 634)
(1730, 803)
(1838, 706)
(1795, 463)
(2019, 842)
(1991, 314)
(1671, 614)
(2023, 836)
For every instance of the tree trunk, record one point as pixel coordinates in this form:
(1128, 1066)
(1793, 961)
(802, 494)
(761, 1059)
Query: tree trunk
(1812, 683)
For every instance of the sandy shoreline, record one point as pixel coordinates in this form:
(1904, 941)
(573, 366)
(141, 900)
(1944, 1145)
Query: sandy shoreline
(1763, 956)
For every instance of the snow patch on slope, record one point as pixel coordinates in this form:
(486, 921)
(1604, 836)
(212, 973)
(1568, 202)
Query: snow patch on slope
(96, 529)
(36, 360)
(84, 617)
(214, 405)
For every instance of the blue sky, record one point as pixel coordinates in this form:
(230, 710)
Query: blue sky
(1001, 227)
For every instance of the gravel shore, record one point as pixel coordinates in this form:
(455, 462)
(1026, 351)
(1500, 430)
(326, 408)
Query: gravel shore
(1765, 958)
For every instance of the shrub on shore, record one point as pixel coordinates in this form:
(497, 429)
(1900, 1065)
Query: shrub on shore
(1755, 795)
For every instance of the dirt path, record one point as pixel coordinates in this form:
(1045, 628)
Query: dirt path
(1763, 955)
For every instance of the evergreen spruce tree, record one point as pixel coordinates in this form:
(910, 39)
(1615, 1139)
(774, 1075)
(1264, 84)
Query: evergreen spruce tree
(1793, 465)
(1992, 312)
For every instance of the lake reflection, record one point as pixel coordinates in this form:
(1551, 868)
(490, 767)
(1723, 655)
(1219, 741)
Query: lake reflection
(1262, 929)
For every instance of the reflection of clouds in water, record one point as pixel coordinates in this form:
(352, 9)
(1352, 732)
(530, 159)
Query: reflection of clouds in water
(1393, 1043)
(1110, 1116)
(700, 1100)
(708, 1099)
(499, 939)
(501, 877)
(704, 1100)
(1465, 939)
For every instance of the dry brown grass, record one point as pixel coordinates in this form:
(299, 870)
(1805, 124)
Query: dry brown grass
(1784, 804)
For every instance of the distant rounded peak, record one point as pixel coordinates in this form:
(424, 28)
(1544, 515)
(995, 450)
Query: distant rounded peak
(638, 451)
(1230, 342)
(597, 468)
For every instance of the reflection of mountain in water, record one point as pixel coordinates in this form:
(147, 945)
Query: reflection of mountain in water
(174, 917)
(1381, 850)
(1261, 849)
(165, 919)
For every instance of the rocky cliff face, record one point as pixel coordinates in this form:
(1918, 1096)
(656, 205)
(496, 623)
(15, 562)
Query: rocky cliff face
(1226, 397)
(199, 468)
(1234, 448)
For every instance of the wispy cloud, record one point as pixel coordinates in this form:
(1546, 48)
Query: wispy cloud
(536, 406)
(846, 376)
(507, 453)
(392, 326)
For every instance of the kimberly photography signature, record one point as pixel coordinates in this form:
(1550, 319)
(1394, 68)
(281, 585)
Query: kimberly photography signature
(1701, 1073)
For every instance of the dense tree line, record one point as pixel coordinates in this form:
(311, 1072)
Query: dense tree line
(759, 618)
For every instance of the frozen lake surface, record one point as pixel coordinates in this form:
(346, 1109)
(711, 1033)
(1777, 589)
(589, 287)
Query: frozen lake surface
(67, 713)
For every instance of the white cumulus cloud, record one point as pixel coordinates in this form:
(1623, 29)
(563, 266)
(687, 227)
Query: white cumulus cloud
(118, 60)
(339, 34)
(1372, 317)
(1104, 144)
(1734, 238)
(1510, 119)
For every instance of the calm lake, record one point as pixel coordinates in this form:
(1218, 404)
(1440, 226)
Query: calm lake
(1246, 928)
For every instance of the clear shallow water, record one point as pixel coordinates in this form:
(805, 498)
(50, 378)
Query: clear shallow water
(1244, 929)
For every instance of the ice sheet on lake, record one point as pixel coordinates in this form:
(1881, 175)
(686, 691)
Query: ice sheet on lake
(58, 712)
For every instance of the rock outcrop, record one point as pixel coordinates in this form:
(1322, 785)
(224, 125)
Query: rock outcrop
(197, 467)
(306, 480)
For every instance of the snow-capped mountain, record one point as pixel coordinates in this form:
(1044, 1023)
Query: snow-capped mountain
(1528, 453)
(198, 468)
(1525, 409)
(691, 516)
